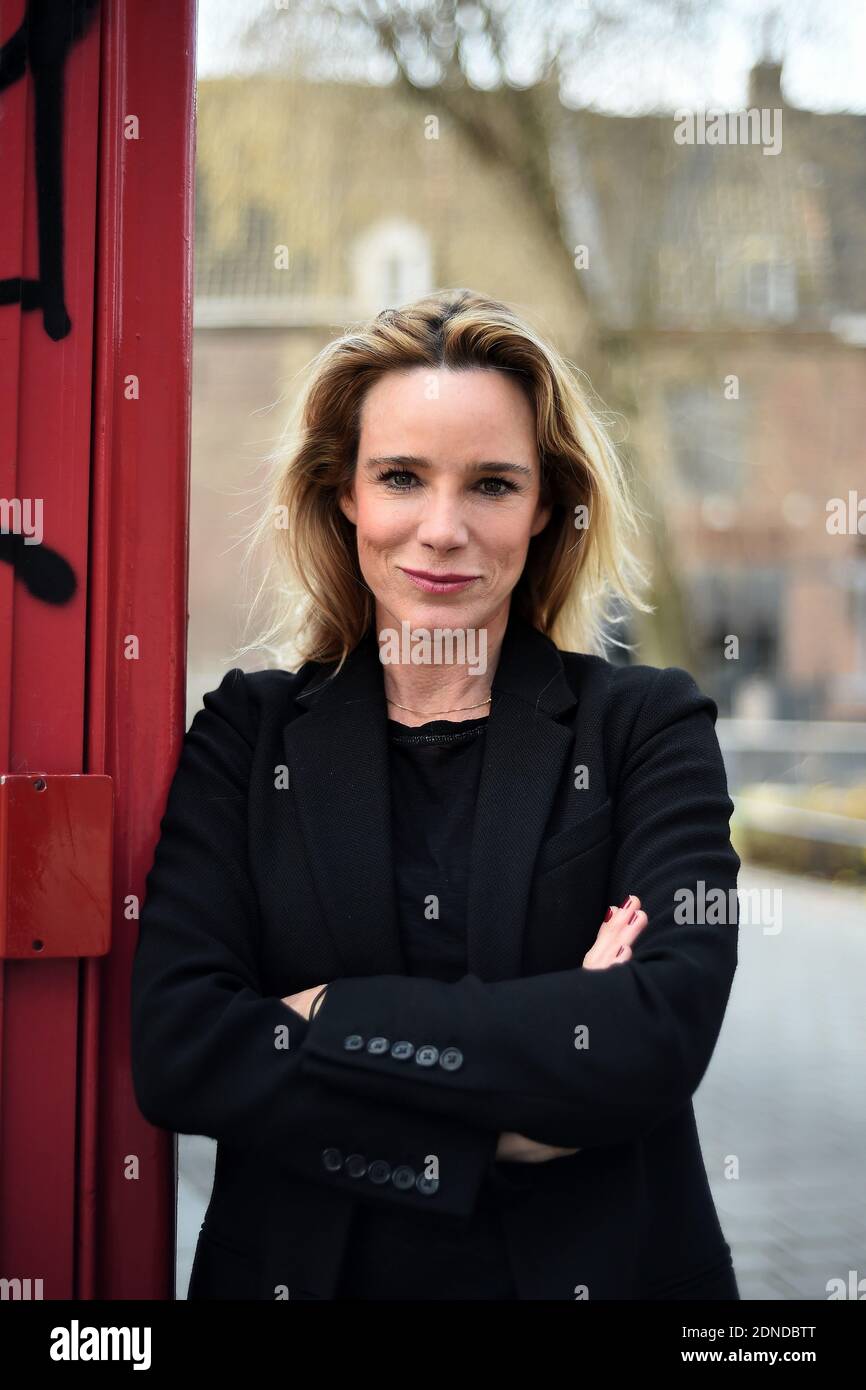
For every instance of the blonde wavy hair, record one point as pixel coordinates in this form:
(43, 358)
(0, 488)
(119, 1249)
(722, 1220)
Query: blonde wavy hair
(575, 577)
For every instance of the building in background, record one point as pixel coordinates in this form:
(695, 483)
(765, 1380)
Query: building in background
(734, 317)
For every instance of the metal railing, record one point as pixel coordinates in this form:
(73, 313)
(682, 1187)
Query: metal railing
(794, 753)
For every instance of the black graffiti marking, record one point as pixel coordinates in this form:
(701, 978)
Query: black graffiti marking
(47, 32)
(43, 571)
(41, 43)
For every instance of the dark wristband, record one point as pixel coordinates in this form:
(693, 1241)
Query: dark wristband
(315, 1002)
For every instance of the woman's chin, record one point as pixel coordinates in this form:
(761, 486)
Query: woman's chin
(447, 613)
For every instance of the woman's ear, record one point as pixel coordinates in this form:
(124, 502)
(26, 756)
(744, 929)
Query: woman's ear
(543, 513)
(346, 503)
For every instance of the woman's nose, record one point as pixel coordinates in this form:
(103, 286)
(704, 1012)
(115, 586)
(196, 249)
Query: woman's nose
(442, 523)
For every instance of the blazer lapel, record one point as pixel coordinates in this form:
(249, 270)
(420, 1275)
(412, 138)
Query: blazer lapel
(337, 755)
(524, 760)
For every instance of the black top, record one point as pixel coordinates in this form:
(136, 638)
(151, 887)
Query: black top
(434, 786)
(393, 1254)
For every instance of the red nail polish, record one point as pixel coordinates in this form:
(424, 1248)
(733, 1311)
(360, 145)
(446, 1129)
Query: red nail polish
(631, 918)
(626, 899)
(608, 914)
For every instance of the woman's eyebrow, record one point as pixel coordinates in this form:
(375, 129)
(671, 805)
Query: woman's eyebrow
(410, 461)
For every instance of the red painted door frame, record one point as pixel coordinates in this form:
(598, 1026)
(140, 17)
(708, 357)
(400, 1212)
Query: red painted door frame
(94, 423)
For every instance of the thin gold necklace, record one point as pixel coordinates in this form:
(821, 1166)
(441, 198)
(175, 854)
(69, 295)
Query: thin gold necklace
(428, 713)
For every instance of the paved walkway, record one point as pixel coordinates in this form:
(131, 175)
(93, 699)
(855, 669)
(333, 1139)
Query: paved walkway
(784, 1096)
(785, 1093)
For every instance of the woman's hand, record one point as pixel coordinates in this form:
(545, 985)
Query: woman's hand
(619, 929)
(302, 1001)
(516, 1148)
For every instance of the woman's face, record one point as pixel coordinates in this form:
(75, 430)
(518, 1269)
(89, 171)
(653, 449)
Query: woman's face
(447, 489)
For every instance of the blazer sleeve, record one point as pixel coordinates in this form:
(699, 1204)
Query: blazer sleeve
(581, 1057)
(211, 1054)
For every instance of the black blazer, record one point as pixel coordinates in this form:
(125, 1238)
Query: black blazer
(273, 873)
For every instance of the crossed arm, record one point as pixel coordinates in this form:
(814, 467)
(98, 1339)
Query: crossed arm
(209, 1052)
(612, 947)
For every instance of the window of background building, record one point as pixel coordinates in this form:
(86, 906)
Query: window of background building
(770, 290)
(708, 437)
(392, 262)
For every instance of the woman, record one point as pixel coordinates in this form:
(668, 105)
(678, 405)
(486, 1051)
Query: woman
(426, 944)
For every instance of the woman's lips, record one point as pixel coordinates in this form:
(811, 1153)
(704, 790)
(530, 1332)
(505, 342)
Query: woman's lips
(441, 583)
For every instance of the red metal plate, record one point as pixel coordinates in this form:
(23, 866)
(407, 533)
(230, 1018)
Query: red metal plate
(55, 865)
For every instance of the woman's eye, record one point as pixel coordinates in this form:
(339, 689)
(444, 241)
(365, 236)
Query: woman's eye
(393, 479)
(498, 483)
